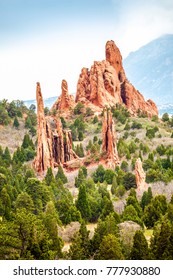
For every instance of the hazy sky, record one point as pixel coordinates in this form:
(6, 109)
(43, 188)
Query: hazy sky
(51, 40)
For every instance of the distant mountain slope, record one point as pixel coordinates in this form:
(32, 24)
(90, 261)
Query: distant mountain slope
(48, 102)
(150, 69)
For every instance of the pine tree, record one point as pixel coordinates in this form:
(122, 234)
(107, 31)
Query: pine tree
(28, 123)
(84, 238)
(49, 178)
(81, 150)
(60, 175)
(82, 203)
(27, 142)
(110, 249)
(114, 185)
(25, 201)
(84, 170)
(80, 179)
(76, 251)
(80, 135)
(5, 203)
(7, 157)
(140, 247)
(107, 207)
(16, 122)
(51, 221)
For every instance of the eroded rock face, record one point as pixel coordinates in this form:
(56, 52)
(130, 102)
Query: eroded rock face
(106, 84)
(65, 101)
(44, 158)
(99, 86)
(140, 175)
(135, 102)
(109, 140)
(54, 144)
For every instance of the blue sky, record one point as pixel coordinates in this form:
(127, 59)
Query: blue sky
(51, 40)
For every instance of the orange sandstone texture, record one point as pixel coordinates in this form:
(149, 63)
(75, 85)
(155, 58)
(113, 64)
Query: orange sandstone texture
(105, 84)
(140, 175)
(54, 144)
(109, 140)
(44, 158)
(65, 101)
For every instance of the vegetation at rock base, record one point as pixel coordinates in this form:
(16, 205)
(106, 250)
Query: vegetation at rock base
(35, 212)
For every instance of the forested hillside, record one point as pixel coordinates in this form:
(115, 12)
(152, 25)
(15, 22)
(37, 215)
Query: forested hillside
(90, 211)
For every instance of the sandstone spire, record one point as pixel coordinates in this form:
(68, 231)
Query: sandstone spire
(54, 144)
(44, 158)
(140, 175)
(65, 101)
(109, 140)
(114, 57)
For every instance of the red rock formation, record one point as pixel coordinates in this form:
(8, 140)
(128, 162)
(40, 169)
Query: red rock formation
(114, 57)
(54, 144)
(135, 102)
(106, 85)
(44, 158)
(140, 175)
(99, 86)
(65, 101)
(109, 140)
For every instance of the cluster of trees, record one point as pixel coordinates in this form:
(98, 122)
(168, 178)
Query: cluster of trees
(24, 153)
(120, 113)
(78, 128)
(31, 211)
(107, 243)
(12, 111)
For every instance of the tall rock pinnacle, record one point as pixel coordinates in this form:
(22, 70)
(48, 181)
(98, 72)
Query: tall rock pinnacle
(65, 101)
(109, 140)
(44, 158)
(140, 175)
(54, 144)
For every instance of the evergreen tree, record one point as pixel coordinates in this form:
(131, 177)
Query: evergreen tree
(60, 175)
(107, 207)
(76, 251)
(84, 170)
(27, 142)
(25, 201)
(110, 249)
(129, 180)
(140, 247)
(114, 185)
(161, 246)
(80, 135)
(49, 178)
(99, 174)
(28, 123)
(132, 200)
(5, 202)
(16, 122)
(51, 221)
(80, 179)
(109, 174)
(7, 157)
(82, 203)
(84, 233)
(130, 214)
